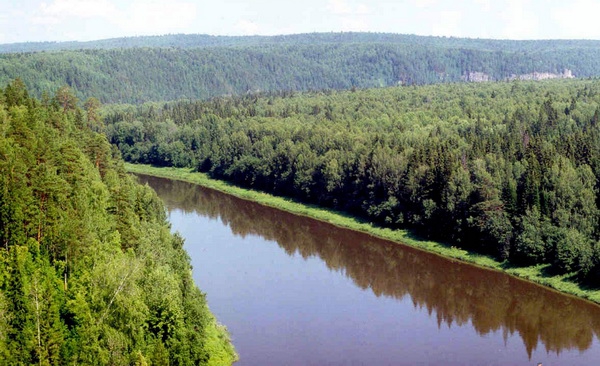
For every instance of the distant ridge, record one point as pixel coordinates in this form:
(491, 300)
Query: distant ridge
(204, 40)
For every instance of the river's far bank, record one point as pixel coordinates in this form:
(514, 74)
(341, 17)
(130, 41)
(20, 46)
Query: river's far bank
(534, 274)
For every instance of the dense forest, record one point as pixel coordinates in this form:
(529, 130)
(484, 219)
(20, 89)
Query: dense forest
(508, 169)
(137, 70)
(90, 273)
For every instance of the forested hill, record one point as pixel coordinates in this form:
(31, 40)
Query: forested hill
(135, 70)
(89, 271)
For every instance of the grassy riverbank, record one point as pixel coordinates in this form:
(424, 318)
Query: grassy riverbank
(537, 274)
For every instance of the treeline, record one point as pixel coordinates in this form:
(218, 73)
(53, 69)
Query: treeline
(89, 271)
(137, 75)
(507, 169)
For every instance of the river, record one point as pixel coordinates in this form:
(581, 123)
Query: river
(295, 291)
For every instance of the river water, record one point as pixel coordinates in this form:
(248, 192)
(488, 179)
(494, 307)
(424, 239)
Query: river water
(295, 291)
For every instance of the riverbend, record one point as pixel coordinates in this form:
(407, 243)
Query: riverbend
(297, 291)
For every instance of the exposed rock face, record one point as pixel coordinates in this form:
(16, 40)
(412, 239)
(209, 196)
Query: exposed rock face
(567, 74)
(478, 77)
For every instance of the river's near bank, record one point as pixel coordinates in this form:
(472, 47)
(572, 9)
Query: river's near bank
(537, 274)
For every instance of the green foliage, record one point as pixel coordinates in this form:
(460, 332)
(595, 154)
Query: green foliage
(89, 273)
(531, 246)
(573, 251)
(497, 168)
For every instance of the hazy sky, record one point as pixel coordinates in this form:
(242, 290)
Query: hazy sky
(83, 20)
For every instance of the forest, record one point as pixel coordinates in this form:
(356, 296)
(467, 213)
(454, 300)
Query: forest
(90, 273)
(508, 169)
(143, 69)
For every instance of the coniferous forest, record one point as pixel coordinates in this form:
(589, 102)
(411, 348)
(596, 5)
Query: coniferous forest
(90, 273)
(508, 169)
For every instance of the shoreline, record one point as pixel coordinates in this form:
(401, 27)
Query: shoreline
(533, 274)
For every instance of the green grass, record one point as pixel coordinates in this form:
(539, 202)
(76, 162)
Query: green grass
(536, 274)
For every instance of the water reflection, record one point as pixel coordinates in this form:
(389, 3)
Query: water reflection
(453, 292)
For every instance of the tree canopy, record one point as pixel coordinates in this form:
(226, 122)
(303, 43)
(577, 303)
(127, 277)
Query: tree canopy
(89, 271)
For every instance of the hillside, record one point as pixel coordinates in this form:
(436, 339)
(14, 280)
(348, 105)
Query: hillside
(137, 70)
(89, 271)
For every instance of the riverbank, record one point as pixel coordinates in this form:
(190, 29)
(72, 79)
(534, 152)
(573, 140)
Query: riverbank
(535, 274)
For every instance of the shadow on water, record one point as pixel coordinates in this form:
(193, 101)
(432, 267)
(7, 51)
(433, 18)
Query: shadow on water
(453, 292)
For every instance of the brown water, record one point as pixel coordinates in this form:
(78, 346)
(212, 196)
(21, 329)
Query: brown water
(295, 291)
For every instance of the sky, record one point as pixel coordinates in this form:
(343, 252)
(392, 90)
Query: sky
(85, 20)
